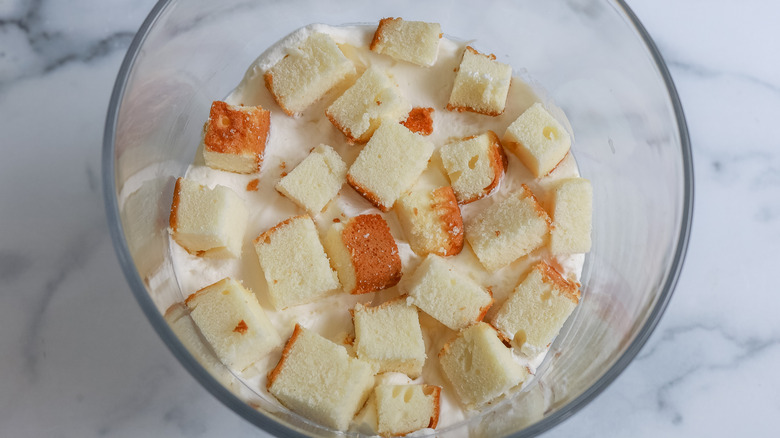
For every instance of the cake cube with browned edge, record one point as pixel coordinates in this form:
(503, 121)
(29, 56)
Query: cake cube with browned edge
(431, 221)
(448, 296)
(537, 309)
(317, 379)
(390, 336)
(207, 222)
(416, 42)
(538, 139)
(572, 215)
(232, 321)
(479, 366)
(315, 180)
(389, 164)
(364, 254)
(474, 165)
(403, 409)
(307, 72)
(235, 137)
(294, 263)
(508, 230)
(481, 84)
(372, 99)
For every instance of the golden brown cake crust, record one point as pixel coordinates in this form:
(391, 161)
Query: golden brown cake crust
(237, 130)
(374, 253)
(436, 391)
(483, 311)
(285, 353)
(446, 207)
(173, 220)
(367, 194)
(568, 288)
(420, 120)
(380, 30)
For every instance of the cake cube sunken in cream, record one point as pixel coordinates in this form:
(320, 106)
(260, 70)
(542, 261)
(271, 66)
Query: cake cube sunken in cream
(411, 41)
(317, 379)
(390, 336)
(235, 137)
(294, 263)
(479, 366)
(316, 180)
(572, 215)
(448, 296)
(535, 312)
(389, 164)
(431, 221)
(508, 230)
(364, 254)
(474, 165)
(307, 72)
(207, 222)
(538, 140)
(481, 84)
(403, 409)
(232, 321)
(373, 98)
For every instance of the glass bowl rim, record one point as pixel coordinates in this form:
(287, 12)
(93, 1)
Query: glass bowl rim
(274, 427)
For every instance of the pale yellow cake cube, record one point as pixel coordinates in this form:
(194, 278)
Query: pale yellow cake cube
(364, 254)
(316, 180)
(294, 263)
(232, 321)
(479, 366)
(411, 41)
(235, 137)
(373, 98)
(403, 409)
(317, 379)
(508, 230)
(572, 215)
(448, 296)
(207, 222)
(307, 72)
(474, 165)
(481, 84)
(537, 309)
(431, 221)
(390, 336)
(538, 139)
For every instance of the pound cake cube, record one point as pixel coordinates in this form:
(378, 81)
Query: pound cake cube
(207, 222)
(474, 165)
(316, 180)
(390, 336)
(373, 98)
(389, 164)
(572, 212)
(403, 409)
(317, 379)
(535, 312)
(235, 137)
(448, 296)
(479, 366)
(411, 41)
(538, 140)
(481, 84)
(508, 230)
(431, 221)
(307, 72)
(364, 254)
(294, 263)
(232, 321)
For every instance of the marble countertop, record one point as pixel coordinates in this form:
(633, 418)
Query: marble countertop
(78, 358)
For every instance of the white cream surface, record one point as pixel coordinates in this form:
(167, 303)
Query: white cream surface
(291, 139)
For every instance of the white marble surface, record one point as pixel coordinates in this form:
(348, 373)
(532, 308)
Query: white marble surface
(78, 358)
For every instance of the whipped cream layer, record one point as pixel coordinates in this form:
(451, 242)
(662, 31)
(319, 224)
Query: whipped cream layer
(291, 139)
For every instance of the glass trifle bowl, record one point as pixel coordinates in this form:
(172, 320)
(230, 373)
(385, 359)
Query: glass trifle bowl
(592, 58)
